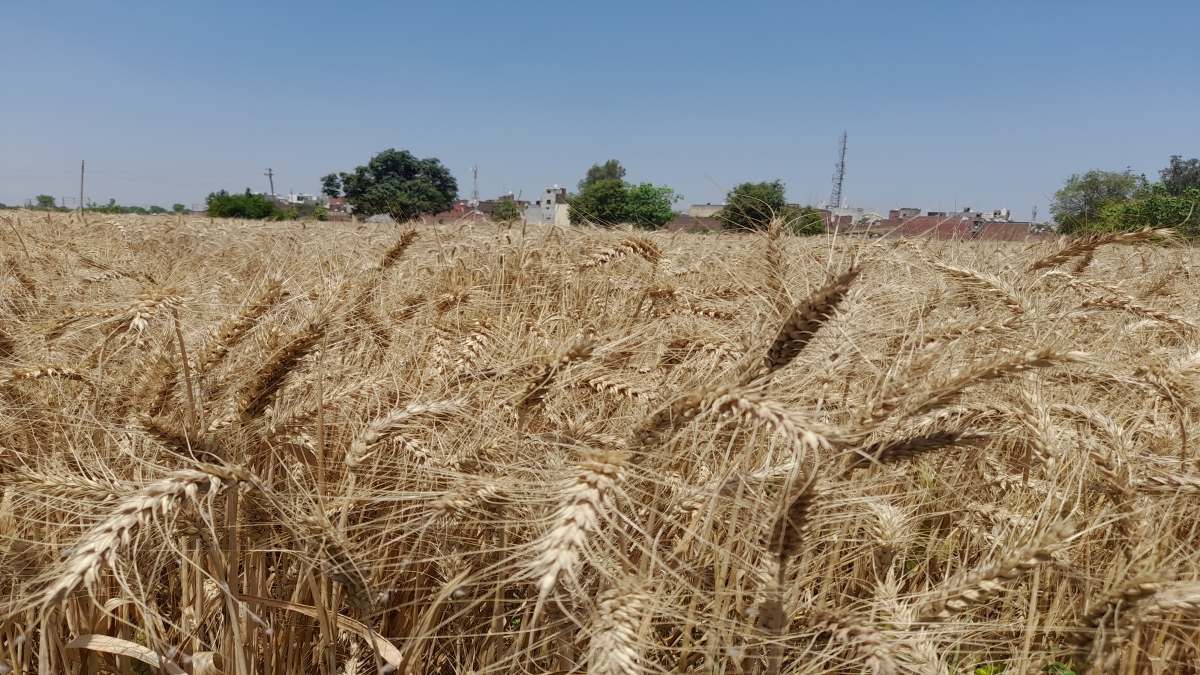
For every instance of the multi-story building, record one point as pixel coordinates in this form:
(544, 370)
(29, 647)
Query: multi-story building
(550, 207)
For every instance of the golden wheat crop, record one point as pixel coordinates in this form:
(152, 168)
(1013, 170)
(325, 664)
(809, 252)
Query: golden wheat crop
(241, 447)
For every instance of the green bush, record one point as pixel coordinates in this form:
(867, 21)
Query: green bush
(250, 206)
(1156, 207)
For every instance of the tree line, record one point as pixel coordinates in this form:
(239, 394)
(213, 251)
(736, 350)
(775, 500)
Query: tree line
(47, 203)
(398, 184)
(1112, 201)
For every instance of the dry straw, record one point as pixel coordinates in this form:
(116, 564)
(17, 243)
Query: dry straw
(775, 454)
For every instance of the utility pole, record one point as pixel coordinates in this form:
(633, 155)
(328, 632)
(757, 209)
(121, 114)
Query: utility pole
(271, 177)
(82, 165)
(474, 202)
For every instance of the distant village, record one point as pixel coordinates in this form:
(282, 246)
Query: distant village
(551, 207)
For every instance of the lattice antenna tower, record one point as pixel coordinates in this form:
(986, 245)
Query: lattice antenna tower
(474, 188)
(839, 173)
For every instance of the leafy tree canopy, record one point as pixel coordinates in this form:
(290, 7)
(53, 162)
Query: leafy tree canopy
(179, 208)
(602, 203)
(612, 201)
(649, 207)
(805, 221)
(506, 211)
(1084, 196)
(1180, 175)
(45, 202)
(751, 206)
(610, 170)
(396, 183)
(255, 207)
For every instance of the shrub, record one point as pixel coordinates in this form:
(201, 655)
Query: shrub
(251, 206)
(1156, 207)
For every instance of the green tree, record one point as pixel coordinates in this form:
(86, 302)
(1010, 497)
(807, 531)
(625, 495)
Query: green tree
(45, 202)
(396, 183)
(157, 209)
(1181, 175)
(603, 203)
(506, 211)
(751, 206)
(649, 207)
(610, 170)
(331, 186)
(1078, 205)
(179, 208)
(251, 206)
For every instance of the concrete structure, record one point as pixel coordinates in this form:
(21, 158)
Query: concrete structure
(550, 207)
(704, 210)
(337, 209)
(689, 223)
(297, 198)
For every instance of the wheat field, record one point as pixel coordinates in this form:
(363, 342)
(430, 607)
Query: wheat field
(244, 447)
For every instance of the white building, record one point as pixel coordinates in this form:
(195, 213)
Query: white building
(298, 198)
(551, 207)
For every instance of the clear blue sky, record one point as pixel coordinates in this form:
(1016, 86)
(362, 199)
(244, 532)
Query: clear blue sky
(983, 104)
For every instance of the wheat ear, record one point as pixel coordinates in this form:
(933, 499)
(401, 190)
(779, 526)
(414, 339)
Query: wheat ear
(1088, 244)
(578, 513)
(388, 425)
(614, 648)
(260, 392)
(53, 370)
(891, 451)
(800, 327)
(99, 545)
(233, 329)
(539, 386)
(641, 246)
(987, 284)
(396, 250)
(976, 586)
(868, 643)
(791, 526)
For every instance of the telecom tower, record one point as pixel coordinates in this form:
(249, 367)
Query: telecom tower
(474, 202)
(839, 173)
